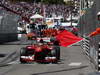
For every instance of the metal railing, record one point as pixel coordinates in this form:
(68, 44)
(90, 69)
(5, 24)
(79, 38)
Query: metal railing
(90, 51)
(85, 44)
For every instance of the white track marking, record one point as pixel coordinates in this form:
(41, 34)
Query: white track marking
(75, 64)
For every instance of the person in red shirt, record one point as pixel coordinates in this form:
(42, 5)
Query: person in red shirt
(31, 35)
(75, 31)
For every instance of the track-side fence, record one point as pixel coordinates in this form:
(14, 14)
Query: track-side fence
(85, 44)
(91, 52)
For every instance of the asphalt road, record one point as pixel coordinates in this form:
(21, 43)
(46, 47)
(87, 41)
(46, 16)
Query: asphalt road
(73, 62)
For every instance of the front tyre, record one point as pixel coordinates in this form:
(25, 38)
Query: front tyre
(22, 53)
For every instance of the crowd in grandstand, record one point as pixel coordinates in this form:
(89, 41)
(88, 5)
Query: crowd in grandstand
(25, 9)
(28, 9)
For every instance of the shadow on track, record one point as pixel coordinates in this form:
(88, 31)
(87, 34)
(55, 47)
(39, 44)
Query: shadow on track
(2, 55)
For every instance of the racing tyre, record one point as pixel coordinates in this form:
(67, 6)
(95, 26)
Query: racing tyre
(22, 53)
(57, 52)
(53, 53)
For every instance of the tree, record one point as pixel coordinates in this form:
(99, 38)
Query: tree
(14, 1)
(52, 1)
(70, 3)
(43, 1)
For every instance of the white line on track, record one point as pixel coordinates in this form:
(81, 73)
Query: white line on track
(75, 64)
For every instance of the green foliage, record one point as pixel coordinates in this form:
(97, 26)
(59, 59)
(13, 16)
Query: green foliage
(43, 1)
(70, 3)
(25, 1)
(52, 1)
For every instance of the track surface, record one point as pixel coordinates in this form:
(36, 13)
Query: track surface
(73, 62)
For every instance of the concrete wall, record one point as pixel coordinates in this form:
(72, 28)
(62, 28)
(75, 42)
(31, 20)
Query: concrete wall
(8, 26)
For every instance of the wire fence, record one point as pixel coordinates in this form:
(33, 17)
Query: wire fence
(88, 23)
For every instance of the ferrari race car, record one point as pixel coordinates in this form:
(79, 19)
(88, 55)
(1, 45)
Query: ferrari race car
(40, 52)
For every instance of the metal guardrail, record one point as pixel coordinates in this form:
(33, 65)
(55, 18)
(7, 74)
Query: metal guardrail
(90, 51)
(85, 44)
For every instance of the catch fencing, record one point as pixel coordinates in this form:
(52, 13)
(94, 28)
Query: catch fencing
(88, 23)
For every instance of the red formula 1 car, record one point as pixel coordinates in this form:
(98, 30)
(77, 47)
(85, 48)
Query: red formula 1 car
(40, 52)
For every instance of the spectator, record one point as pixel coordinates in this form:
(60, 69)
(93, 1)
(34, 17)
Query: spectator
(75, 31)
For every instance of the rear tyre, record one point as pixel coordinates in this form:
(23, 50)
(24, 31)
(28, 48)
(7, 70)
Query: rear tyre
(58, 53)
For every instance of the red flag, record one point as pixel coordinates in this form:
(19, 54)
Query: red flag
(67, 38)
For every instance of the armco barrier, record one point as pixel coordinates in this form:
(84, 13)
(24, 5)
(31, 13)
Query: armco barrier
(90, 51)
(85, 44)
